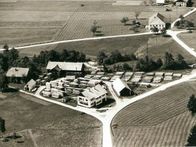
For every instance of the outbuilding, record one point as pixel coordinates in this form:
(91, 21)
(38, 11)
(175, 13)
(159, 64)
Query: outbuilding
(30, 85)
(121, 87)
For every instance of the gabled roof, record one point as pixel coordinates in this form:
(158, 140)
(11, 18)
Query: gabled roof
(17, 72)
(94, 92)
(31, 84)
(157, 17)
(68, 66)
(119, 85)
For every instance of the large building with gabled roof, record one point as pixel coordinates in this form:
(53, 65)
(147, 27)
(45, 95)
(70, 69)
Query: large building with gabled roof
(65, 68)
(156, 21)
(92, 96)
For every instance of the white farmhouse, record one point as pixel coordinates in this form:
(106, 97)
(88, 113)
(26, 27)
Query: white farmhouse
(92, 97)
(158, 21)
(121, 88)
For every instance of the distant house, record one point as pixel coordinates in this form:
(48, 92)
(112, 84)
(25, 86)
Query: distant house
(156, 21)
(160, 2)
(92, 97)
(2, 125)
(30, 85)
(17, 74)
(181, 3)
(121, 87)
(66, 68)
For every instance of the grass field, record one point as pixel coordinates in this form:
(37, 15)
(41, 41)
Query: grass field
(25, 22)
(157, 46)
(189, 38)
(159, 120)
(49, 125)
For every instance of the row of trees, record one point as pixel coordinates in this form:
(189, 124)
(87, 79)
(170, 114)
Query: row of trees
(65, 55)
(114, 57)
(168, 63)
(142, 64)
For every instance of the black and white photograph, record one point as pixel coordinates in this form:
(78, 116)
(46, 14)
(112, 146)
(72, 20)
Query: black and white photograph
(97, 73)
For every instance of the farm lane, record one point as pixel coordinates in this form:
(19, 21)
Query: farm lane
(174, 34)
(78, 40)
(185, 15)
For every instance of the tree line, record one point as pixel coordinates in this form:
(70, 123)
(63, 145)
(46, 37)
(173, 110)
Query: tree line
(146, 64)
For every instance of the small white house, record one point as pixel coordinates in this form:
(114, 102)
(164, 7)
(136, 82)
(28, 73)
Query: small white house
(156, 21)
(92, 97)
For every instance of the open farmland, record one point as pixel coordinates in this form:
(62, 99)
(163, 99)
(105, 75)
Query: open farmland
(47, 125)
(159, 120)
(26, 22)
(189, 38)
(157, 46)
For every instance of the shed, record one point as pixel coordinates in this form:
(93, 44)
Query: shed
(121, 87)
(30, 85)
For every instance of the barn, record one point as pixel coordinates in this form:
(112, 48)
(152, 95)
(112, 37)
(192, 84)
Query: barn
(65, 68)
(17, 74)
(121, 87)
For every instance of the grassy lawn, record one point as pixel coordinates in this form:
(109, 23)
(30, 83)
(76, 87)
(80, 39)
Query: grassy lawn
(26, 22)
(50, 125)
(189, 38)
(159, 120)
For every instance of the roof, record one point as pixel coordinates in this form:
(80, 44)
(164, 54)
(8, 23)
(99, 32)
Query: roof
(94, 92)
(160, 1)
(31, 83)
(156, 18)
(119, 85)
(68, 66)
(17, 72)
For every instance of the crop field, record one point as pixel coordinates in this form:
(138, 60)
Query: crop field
(26, 22)
(159, 120)
(47, 125)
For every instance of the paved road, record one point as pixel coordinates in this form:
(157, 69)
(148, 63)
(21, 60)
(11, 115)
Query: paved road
(78, 40)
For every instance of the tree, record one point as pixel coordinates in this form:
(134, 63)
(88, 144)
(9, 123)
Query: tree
(124, 20)
(6, 47)
(3, 82)
(101, 56)
(93, 29)
(189, 3)
(180, 62)
(192, 104)
(191, 141)
(169, 62)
